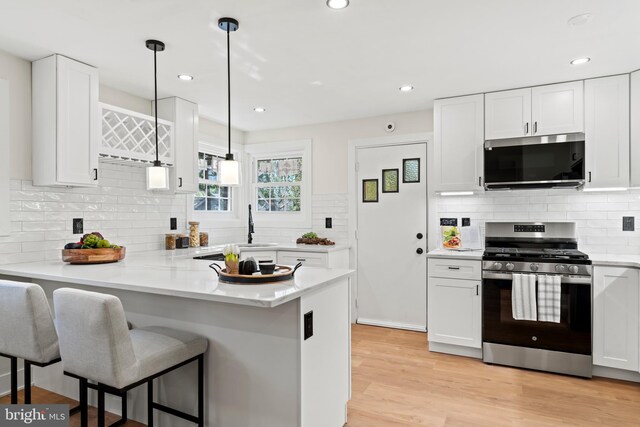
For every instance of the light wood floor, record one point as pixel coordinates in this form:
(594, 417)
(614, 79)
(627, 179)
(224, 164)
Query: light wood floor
(397, 382)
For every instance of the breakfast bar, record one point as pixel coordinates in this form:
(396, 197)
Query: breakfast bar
(279, 354)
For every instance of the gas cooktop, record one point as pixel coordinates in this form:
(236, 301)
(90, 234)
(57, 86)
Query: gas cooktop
(533, 252)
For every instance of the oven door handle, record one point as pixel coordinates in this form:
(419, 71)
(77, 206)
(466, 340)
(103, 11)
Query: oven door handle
(572, 280)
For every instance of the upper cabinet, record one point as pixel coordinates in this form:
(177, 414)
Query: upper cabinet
(458, 143)
(5, 228)
(607, 132)
(542, 110)
(184, 115)
(65, 122)
(635, 129)
(508, 114)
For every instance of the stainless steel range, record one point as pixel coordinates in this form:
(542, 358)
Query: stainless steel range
(544, 257)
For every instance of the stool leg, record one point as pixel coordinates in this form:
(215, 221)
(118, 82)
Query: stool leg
(201, 390)
(84, 409)
(150, 403)
(100, 407)
(124, 407)
(27, 382)
(14, 380)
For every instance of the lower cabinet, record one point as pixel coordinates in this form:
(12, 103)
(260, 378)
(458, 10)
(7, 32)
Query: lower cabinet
(260, 255)
(332, 259)
(454, 305)
(616, 321)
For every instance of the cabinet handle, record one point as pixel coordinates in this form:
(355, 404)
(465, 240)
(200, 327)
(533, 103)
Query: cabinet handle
(301, 259)
(535, 127)
(477, 290)
(589, 176)
(526, 128)
(454, 268)
(479, 181)
(95, 174)
(179, 182)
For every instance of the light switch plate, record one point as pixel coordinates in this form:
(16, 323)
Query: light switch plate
(628, 223)
(78, 226)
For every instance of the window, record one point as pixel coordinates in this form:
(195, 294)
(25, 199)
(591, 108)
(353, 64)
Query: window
(211, 196)
(279, 184)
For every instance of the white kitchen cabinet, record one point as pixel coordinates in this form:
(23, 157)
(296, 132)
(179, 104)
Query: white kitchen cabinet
(184, 115)
(5, 223)
(454, 304)
(65, 122)
(259, 255)
(635, 129)
(607, 132)
(458, 143)
(616, 307)
(508, 114)
(558, 108)
(333, 259)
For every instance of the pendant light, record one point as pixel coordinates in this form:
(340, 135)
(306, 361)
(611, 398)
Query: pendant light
(229, 168)
(157, 175)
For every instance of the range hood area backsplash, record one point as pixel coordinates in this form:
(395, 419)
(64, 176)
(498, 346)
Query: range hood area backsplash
(598, 215)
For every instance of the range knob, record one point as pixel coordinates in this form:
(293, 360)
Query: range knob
(573, 269)
(509, 266)
(561, 268)
(534, 267)
(497, 265)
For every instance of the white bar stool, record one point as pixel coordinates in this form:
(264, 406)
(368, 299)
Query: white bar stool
(96, 344)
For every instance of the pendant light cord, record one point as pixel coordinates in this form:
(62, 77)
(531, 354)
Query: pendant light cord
(229, 88)
(155, 86)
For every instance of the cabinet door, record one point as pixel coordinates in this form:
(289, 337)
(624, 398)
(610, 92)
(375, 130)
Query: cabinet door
(78, 123)
(558, 108)
(455, 311)
(458, 143)
(186, 145)
(259, 255)
(615, 317)
(507, 114)
(310, 259)
(5, 224)
(607, 132)
(635, 129)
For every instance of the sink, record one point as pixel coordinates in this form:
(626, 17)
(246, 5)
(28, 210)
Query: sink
(257, 245)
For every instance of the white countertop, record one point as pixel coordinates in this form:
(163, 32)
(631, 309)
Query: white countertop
(450, 253)
(257, 248)
(615, 260)
(175, 273)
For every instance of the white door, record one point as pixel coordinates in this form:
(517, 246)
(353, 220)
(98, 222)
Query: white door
(392, 276)
(558, 108)
(508, 114)
(635, 129)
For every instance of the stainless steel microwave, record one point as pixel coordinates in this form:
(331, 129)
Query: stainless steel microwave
(535, 162)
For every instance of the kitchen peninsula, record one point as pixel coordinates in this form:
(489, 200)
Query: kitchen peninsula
(263, 367)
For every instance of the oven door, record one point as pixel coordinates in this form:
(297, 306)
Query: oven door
(571, 335)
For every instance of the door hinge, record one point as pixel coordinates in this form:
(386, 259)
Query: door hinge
(356, 303)
(356, 233)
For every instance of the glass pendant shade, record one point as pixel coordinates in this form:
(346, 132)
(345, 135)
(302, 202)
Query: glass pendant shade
(157, 178)
(229, 172)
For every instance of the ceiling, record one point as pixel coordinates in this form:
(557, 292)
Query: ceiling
(306, 63)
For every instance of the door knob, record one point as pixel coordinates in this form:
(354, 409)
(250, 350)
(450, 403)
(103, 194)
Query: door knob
(419, 236)
(419, 251)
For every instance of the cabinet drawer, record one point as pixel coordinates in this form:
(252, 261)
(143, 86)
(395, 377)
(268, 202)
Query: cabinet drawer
(310, 259)
(259, 255)
(454, 268)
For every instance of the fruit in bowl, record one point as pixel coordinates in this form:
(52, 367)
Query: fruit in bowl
(92, 248)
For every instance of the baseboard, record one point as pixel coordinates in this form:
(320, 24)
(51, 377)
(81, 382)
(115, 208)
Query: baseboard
(5, 382)
(456, 350)
(405, 326)
(617, 374)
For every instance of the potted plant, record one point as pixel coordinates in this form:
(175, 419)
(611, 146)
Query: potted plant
(231, 257)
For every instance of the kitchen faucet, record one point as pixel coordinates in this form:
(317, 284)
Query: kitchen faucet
(251, 230)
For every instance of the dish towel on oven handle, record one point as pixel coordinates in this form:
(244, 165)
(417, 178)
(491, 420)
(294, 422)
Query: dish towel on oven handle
(549, 291)
(523, 297)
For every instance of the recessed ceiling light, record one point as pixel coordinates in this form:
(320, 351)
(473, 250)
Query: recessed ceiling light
(406, 88)
(259, 109)
(337, 4)
(579, 61)
(583, 18)
(185, 77)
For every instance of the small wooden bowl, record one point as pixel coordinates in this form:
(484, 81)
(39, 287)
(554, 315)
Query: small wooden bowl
(93, 256)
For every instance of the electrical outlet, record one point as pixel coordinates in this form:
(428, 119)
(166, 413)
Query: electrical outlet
(308, 325)
(451, 222)
(628, 223)
(78, 226)
(173, 223)
(328, 223)
(466, 222)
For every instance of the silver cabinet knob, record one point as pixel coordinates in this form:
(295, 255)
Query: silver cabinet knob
(534, 267)
(509, 266)
(561, 268)
(573, 269)
(497, 265)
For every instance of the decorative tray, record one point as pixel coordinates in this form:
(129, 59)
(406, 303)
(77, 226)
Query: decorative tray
(93, 256)
(282, 273)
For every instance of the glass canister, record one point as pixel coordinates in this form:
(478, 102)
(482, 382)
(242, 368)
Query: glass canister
(204, 239)
(194, 234)
(170, 242)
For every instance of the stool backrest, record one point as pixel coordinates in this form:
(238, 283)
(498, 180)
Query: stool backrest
(94, 337)
(26, 326)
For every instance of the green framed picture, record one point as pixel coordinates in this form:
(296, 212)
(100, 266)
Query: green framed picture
(390, 180)
(411, 170)
(370, 190)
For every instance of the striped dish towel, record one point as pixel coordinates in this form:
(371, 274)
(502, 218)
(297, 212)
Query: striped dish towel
(523, 297)
(549, 298)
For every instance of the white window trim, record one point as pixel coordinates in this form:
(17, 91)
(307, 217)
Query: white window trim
(217, 219)
(302, 219)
